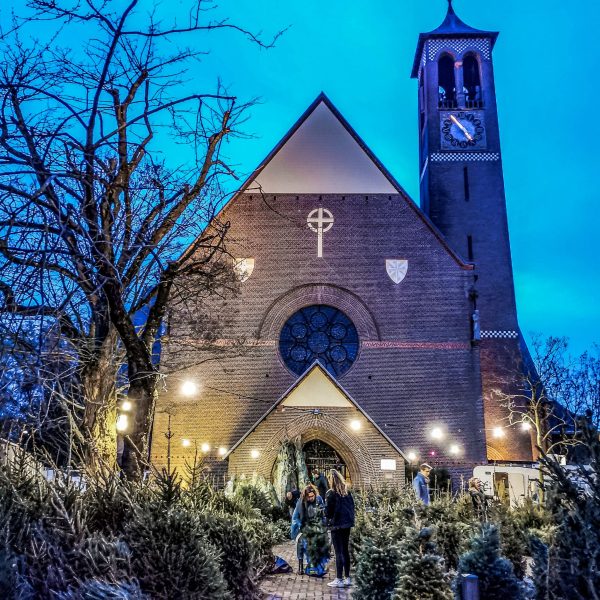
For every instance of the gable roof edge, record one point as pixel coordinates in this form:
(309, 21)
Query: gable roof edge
(296, 383)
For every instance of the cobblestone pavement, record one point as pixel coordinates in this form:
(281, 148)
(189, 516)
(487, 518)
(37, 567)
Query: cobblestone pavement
(291, 586)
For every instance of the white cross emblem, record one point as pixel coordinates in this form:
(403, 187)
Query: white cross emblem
(320, 220)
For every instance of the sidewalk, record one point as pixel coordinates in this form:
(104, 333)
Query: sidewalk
(292, 586)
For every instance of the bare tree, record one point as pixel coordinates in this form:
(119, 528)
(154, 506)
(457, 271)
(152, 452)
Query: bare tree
(96, 223)
(553, 390)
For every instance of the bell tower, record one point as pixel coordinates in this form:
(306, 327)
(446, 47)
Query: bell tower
(462, 192)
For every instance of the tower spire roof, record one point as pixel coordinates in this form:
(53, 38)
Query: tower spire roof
(452, 26)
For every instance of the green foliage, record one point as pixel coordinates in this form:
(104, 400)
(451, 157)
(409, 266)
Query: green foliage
(129, 540)
(237, 559)
(497, 580)
(421, 571)
(376, 568)
(317, 541)
(539, 553)
(171, 555)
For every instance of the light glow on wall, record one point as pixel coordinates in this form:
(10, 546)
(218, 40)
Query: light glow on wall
(437, 433)
(122, 422)
(189, 388)
(498, 432)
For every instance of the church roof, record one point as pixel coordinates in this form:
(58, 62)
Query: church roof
(326, 379)
(322, 154)
(452, 27)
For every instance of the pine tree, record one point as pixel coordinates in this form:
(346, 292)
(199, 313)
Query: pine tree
(421, 572)
(317, 542)
(376, 568)
(539, 553)
(497, 580)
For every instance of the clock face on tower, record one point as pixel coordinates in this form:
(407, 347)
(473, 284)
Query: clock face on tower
(462, 130)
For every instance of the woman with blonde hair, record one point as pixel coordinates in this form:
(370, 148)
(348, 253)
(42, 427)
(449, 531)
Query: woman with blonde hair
(339, 509)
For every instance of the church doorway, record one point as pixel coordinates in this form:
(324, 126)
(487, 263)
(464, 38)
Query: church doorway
(321, 457)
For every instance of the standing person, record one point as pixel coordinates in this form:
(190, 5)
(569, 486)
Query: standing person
(291, 499)
(308, 528)
(421, 484)
(321, 482)
(478, 498)
(339, 508)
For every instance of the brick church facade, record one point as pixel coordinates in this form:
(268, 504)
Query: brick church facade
(377, 329)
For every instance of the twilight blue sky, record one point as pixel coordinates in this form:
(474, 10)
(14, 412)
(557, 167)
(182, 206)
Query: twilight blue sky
(360, 54)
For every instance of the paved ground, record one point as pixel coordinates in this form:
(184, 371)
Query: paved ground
(292, 586)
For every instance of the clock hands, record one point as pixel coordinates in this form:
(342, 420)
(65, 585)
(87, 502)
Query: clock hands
(461, 127)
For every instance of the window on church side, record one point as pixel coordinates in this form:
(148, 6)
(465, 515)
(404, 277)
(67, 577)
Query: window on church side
(472, 82)
(322, 333)
(447, 88)
(466, 183)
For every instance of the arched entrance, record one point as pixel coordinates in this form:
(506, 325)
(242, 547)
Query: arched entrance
(322, 457)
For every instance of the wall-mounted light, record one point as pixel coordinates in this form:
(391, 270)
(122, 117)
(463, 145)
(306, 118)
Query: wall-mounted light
(189, 388)
(122, 422)
(437, 433)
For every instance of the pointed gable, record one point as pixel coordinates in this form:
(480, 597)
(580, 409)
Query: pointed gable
(322, 154)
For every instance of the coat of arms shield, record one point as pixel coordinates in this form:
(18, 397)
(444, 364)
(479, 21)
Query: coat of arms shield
(243, 268)
(396, 268)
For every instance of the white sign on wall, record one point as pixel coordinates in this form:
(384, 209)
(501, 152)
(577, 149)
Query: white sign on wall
(388, 464)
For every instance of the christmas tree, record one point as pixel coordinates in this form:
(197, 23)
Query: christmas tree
(497, 580)
(377, 567)
(421, 571)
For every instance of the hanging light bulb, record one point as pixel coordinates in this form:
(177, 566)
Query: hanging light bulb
(189, 388)
(186, 443)
(498, 432)
(205, 447)
(437, 433)
(126, 405)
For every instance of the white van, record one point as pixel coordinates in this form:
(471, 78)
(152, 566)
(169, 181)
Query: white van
(509, 483)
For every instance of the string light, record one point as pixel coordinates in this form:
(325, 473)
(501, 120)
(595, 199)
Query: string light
(205, 447)
(186, 443)
(126, 405)
(454, 449)
(355, 424)
(526, 426)
(412, 456)
(222, 451)
(255, 454)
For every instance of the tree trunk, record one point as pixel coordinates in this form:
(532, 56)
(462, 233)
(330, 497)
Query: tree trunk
(99, 383)
(142, 395)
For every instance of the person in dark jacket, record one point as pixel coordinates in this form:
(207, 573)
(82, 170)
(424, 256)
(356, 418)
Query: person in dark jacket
(308, 529)
(478, 499)
(421, 484)
(291, 499)
(320, 481)
(339, 509)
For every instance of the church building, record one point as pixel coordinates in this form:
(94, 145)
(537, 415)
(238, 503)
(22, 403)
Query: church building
(368, 331)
